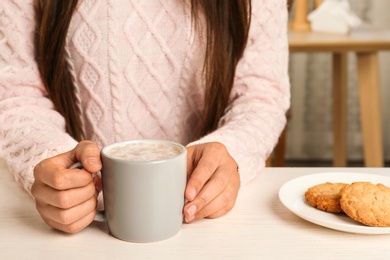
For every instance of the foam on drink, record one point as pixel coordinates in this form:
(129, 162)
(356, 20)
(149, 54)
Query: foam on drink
(144, 151)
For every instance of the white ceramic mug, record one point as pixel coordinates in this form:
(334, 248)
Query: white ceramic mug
(143, 198)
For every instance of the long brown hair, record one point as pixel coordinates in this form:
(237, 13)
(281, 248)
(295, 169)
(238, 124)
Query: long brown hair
(227, 24)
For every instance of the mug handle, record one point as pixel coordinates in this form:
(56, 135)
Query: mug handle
(100, 215)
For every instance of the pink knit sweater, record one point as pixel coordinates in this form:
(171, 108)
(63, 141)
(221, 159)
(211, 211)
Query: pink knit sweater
(137, 67)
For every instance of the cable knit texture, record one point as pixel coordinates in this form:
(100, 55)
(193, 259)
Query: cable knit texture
(137, 67)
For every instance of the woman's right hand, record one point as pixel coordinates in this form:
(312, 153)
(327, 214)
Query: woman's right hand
(66, 198)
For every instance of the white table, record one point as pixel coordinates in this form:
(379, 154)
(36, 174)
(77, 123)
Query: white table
(259, 227)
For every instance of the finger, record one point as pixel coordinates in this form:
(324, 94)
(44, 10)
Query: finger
(48, 172)
(65, 199)
(211, 184)
(221, 205)
(67, 216)
(207, 161)
(214, 187)
(88, 153)
(212, 199)
(74, 227)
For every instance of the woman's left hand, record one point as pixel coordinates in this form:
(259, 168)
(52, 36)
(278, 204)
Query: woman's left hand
(213, 182)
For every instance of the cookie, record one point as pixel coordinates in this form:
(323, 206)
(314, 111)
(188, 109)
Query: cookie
(325, 196)
(367, 203)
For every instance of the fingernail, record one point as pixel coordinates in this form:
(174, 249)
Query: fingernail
(191, 213)
(192, 194)
(92, 161)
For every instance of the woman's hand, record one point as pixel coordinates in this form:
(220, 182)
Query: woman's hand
(66, 198)
(213, 182)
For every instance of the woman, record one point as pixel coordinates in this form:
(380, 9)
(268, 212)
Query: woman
(77, 75)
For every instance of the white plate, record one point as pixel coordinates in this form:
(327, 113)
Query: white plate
(292, 195)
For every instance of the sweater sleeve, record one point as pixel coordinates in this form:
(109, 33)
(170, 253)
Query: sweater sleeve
(260, 97)
(30, 128)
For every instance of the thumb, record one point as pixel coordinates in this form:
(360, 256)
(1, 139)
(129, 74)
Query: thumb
(88, 153)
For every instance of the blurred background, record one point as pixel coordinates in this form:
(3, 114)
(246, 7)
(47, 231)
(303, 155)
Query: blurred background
(309, 135)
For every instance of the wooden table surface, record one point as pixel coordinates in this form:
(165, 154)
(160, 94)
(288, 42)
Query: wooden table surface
(365, 39)
(259, 227)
